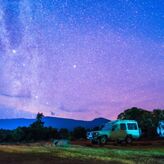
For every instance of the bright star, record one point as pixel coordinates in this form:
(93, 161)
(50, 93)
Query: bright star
(14, 51)
(36, 97)
(74, 66)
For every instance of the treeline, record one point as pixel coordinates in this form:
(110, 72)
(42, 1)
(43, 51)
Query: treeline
(37, 132)
(29, 134)
(147, 120)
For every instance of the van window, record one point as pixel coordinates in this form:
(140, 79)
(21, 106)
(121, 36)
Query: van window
(132, 126)
(122, 127)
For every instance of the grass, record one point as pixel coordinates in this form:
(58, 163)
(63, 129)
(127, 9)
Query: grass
(82, 154)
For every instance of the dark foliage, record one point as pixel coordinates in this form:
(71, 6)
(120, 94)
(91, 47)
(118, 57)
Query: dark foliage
(79, 133)
(64, 133)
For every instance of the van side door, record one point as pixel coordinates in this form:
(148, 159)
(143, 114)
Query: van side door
(115, 131)
(122, 132)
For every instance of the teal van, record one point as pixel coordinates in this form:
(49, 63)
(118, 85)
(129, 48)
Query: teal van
(119, 130)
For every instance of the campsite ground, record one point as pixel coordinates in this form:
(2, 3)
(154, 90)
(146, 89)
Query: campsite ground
(81, 153)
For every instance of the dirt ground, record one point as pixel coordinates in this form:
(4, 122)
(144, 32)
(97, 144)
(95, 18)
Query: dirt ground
(40, 158)
(135, 145)
(15, 158)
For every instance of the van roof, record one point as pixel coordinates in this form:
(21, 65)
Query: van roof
(122, 121)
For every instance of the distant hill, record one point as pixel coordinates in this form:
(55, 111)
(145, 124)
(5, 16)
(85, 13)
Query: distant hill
(52, 121)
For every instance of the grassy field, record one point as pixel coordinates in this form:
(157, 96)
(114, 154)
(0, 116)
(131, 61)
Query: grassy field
(39, 154)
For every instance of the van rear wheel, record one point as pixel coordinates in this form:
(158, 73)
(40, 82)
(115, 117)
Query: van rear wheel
(129, 140)
(103, 140)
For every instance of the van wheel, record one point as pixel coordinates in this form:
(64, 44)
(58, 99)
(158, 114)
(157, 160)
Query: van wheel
(129, 140)
(103, 140)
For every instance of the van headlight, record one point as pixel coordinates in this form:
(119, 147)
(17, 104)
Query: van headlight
(96, 134)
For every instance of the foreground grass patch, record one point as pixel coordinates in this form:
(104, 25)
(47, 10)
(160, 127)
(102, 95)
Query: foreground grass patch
(104, 155)
(125, 156)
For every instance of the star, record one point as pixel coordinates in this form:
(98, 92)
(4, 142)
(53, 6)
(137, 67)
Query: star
(14, 51)
(74, 66)
(36, 97)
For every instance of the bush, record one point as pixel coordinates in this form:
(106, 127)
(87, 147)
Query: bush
(79, 133)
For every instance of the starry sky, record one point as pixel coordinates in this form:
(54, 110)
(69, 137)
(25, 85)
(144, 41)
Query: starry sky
(80, 59)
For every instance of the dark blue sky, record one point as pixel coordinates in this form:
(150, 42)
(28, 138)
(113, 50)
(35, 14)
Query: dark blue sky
(81, 58)
(132, 16)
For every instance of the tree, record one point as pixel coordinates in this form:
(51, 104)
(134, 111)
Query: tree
(36, 129)
(51, 133)
(18, 134)
(79, 133)
(38, 123)
(5, 135)
(158, 115)
(63, 133)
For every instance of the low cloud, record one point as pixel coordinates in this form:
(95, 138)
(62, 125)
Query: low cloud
(10, 112)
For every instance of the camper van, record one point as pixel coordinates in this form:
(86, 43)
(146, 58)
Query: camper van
(160, 129)
(119, 130)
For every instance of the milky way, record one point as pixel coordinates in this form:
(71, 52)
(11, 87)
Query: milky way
(80, 59)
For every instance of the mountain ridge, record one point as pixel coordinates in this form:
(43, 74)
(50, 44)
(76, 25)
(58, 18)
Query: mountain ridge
(55, 122)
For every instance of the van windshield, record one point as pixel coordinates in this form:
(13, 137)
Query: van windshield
(132, 126)
(107, 127)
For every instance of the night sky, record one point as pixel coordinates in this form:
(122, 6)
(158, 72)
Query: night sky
(80, 59)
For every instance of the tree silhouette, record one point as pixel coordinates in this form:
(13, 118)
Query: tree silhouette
(38, 123)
